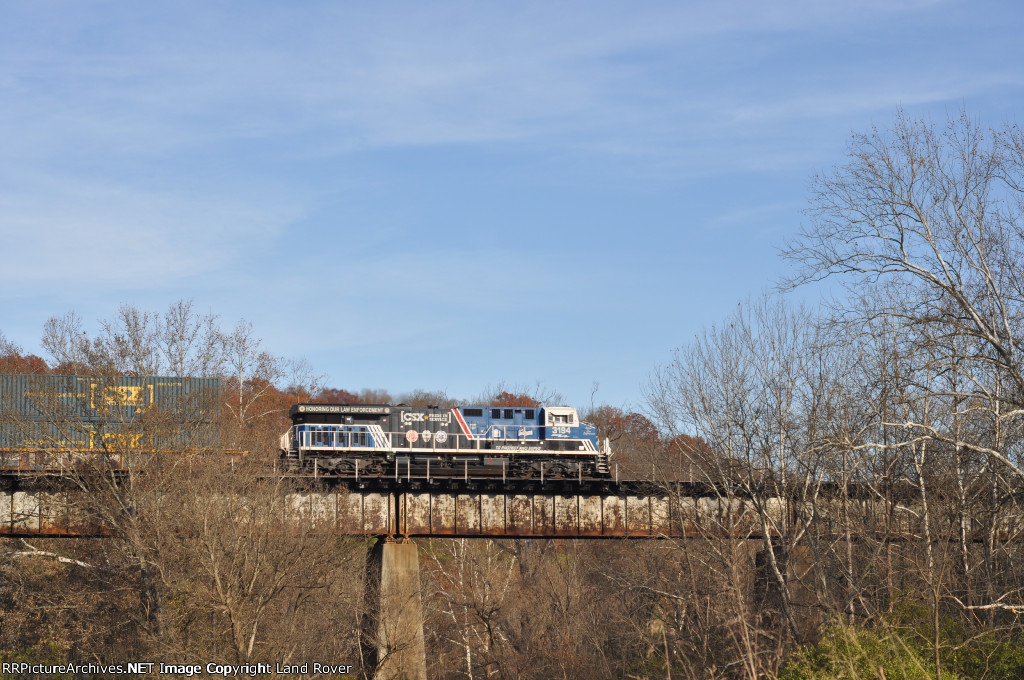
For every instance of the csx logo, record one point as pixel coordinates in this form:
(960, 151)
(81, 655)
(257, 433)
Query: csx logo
(117, 395)
(413, 417)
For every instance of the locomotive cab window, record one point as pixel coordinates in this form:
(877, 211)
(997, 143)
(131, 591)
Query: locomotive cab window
(560, 415)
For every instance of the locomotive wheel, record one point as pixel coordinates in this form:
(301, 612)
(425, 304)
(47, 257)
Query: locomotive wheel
(524, 470)
(557, 471)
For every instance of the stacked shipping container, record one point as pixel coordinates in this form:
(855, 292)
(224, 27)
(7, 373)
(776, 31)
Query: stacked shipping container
(48, 413)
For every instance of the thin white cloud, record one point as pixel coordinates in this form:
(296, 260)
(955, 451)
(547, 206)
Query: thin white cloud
(881, 95)
(752, 220)
(406, 74)
(72, 232)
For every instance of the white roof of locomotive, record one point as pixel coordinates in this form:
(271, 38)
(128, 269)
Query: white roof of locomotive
(561, 410)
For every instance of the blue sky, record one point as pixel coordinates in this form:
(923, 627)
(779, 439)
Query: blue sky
(450, 195)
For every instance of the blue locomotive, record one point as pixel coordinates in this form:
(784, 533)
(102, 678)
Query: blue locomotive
(379, 440)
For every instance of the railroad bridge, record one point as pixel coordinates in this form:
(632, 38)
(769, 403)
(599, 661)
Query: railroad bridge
(401, 509)
(398, 510)
(411, 508)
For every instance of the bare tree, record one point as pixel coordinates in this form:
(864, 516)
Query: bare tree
(65, 341)
(190, 343)
(205, 557)
(252, 370)
(924, 225)
(130, 341)
(247, 575)
(181, 342)
(7, 347)
(759, 391)
(940, 213)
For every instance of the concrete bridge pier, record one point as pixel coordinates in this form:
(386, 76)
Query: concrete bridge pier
(393, 629)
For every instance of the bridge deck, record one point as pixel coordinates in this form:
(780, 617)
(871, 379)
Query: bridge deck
(465, 508)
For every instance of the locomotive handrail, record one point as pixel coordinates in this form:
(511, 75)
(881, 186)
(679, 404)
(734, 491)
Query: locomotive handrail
(338, 440)
(521, 433)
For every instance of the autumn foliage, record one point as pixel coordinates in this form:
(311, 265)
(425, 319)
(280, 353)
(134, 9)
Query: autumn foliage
(17, 363)
(511, 399)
